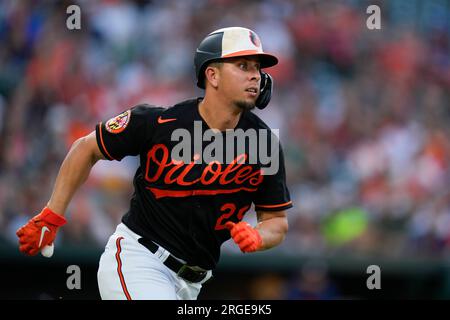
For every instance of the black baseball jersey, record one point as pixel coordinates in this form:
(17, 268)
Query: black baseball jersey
(183, 206)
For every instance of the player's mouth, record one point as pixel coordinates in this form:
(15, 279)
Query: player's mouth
(252, 91)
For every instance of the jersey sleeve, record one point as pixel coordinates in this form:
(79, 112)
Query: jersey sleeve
(273, 194)
(125, 134)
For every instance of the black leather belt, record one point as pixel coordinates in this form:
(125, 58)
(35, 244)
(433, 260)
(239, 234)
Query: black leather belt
(183, 270)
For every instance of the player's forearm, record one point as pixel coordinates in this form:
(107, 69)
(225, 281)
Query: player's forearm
(73, 173)
(272, 231)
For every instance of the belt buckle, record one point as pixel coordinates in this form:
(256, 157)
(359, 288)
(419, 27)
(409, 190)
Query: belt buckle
(190, 274)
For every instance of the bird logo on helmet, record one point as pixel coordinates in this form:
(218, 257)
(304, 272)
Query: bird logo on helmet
(255, 39)
(235, 42)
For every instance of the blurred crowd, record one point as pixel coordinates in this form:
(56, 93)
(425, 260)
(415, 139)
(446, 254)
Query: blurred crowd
(363, 114)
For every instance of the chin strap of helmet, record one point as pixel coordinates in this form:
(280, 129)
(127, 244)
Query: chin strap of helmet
(265, 91)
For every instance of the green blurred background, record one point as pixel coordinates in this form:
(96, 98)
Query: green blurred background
(363, 118)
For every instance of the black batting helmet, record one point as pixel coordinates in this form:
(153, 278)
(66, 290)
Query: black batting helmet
(234, 42)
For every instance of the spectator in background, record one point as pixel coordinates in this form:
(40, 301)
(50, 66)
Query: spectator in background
(267, 286)
(312, 283)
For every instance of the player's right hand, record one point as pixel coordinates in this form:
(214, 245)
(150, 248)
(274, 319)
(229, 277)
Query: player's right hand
(39, 231)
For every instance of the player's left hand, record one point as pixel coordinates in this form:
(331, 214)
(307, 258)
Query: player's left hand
(39, 231)
(245, 236)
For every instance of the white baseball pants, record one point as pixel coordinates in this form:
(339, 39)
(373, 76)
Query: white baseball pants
(129, 271)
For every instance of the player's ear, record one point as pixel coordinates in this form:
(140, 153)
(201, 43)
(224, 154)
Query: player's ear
(212, 75)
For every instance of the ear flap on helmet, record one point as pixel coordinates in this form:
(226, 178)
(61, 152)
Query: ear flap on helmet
(265, 91)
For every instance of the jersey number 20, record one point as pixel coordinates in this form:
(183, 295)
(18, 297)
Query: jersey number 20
(229, 209)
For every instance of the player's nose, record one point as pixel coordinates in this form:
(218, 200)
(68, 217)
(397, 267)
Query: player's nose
(254, 74)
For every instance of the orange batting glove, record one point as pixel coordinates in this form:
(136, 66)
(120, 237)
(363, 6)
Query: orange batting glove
(39, 231)
(245, 236)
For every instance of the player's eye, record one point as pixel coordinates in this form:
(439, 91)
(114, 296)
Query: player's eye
(242, 66)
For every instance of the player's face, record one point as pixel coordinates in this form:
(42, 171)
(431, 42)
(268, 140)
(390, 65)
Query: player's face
(239, 81)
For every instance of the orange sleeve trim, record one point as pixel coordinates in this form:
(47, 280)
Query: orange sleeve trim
(273, 205)
(101, 141)
(119, 269)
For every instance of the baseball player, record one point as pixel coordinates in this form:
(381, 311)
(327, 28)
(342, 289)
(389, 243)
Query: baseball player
(168, 242)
